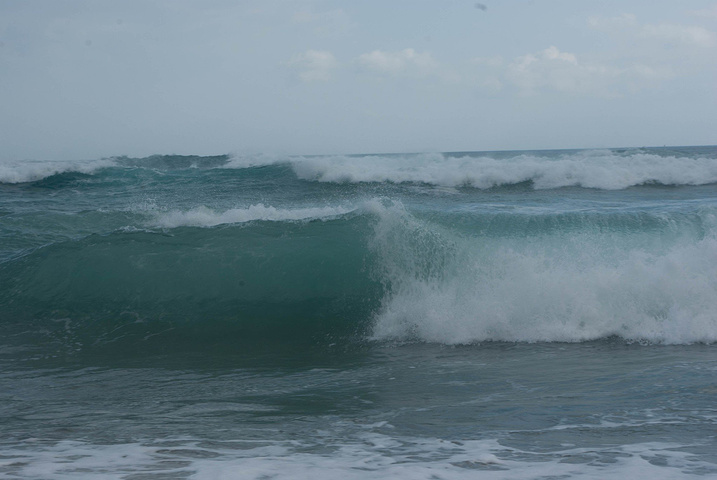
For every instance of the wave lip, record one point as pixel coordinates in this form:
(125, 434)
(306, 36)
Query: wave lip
(206, 217)
(33, 171)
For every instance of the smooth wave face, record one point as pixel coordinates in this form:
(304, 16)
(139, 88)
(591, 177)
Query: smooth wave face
(199, 286)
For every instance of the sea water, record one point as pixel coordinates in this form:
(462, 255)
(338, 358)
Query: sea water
(498, 315)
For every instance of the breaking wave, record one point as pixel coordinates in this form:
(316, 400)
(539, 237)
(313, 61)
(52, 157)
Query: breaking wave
(548, 286)
(377, 271)
(32, 171)
(601, 169)
(597, 169)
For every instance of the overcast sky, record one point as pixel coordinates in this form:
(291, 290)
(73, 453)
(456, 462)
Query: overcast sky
(94, 78)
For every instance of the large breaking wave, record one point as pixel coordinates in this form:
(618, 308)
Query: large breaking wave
(371, 271)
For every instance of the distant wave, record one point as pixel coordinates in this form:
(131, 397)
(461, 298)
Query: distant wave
(601, 169)
(32, 171)
(35, 170)
(171, 162)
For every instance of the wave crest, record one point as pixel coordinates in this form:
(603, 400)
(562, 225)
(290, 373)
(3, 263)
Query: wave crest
(599, 169)
(32, 171)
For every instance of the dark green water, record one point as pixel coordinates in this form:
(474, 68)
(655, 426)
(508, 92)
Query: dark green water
(492, 315)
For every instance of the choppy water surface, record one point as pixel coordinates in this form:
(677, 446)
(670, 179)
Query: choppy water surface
(500, 315)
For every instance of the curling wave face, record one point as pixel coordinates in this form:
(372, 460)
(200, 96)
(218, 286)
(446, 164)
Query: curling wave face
(380, 271)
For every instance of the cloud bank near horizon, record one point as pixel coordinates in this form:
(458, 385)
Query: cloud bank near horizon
(83, 79)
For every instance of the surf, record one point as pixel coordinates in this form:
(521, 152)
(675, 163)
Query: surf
(375, 271)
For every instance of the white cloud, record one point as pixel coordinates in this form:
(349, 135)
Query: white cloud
(689, 35)
(624, 21)
(314, 65)
(327, 23)
(548, 69)
(686, 34)
(553, 70)
(406, 61)
(705, 13)
(552, 53)
(488, 62)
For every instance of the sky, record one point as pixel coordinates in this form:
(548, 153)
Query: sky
(84, 79)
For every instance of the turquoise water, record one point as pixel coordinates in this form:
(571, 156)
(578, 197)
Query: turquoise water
(493, 314)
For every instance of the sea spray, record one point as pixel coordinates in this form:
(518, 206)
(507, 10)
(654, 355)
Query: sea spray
(543, 286)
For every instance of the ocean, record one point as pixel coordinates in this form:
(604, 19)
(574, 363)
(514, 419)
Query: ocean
(491, 315)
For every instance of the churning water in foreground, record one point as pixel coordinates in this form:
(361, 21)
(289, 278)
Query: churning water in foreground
(545, 314)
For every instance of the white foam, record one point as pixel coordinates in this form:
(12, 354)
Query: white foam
(206, 217)
(33, 170)
(599, 169)
(366, 456)
(454, 290)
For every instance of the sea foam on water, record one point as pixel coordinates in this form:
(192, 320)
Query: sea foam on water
(454, 289)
